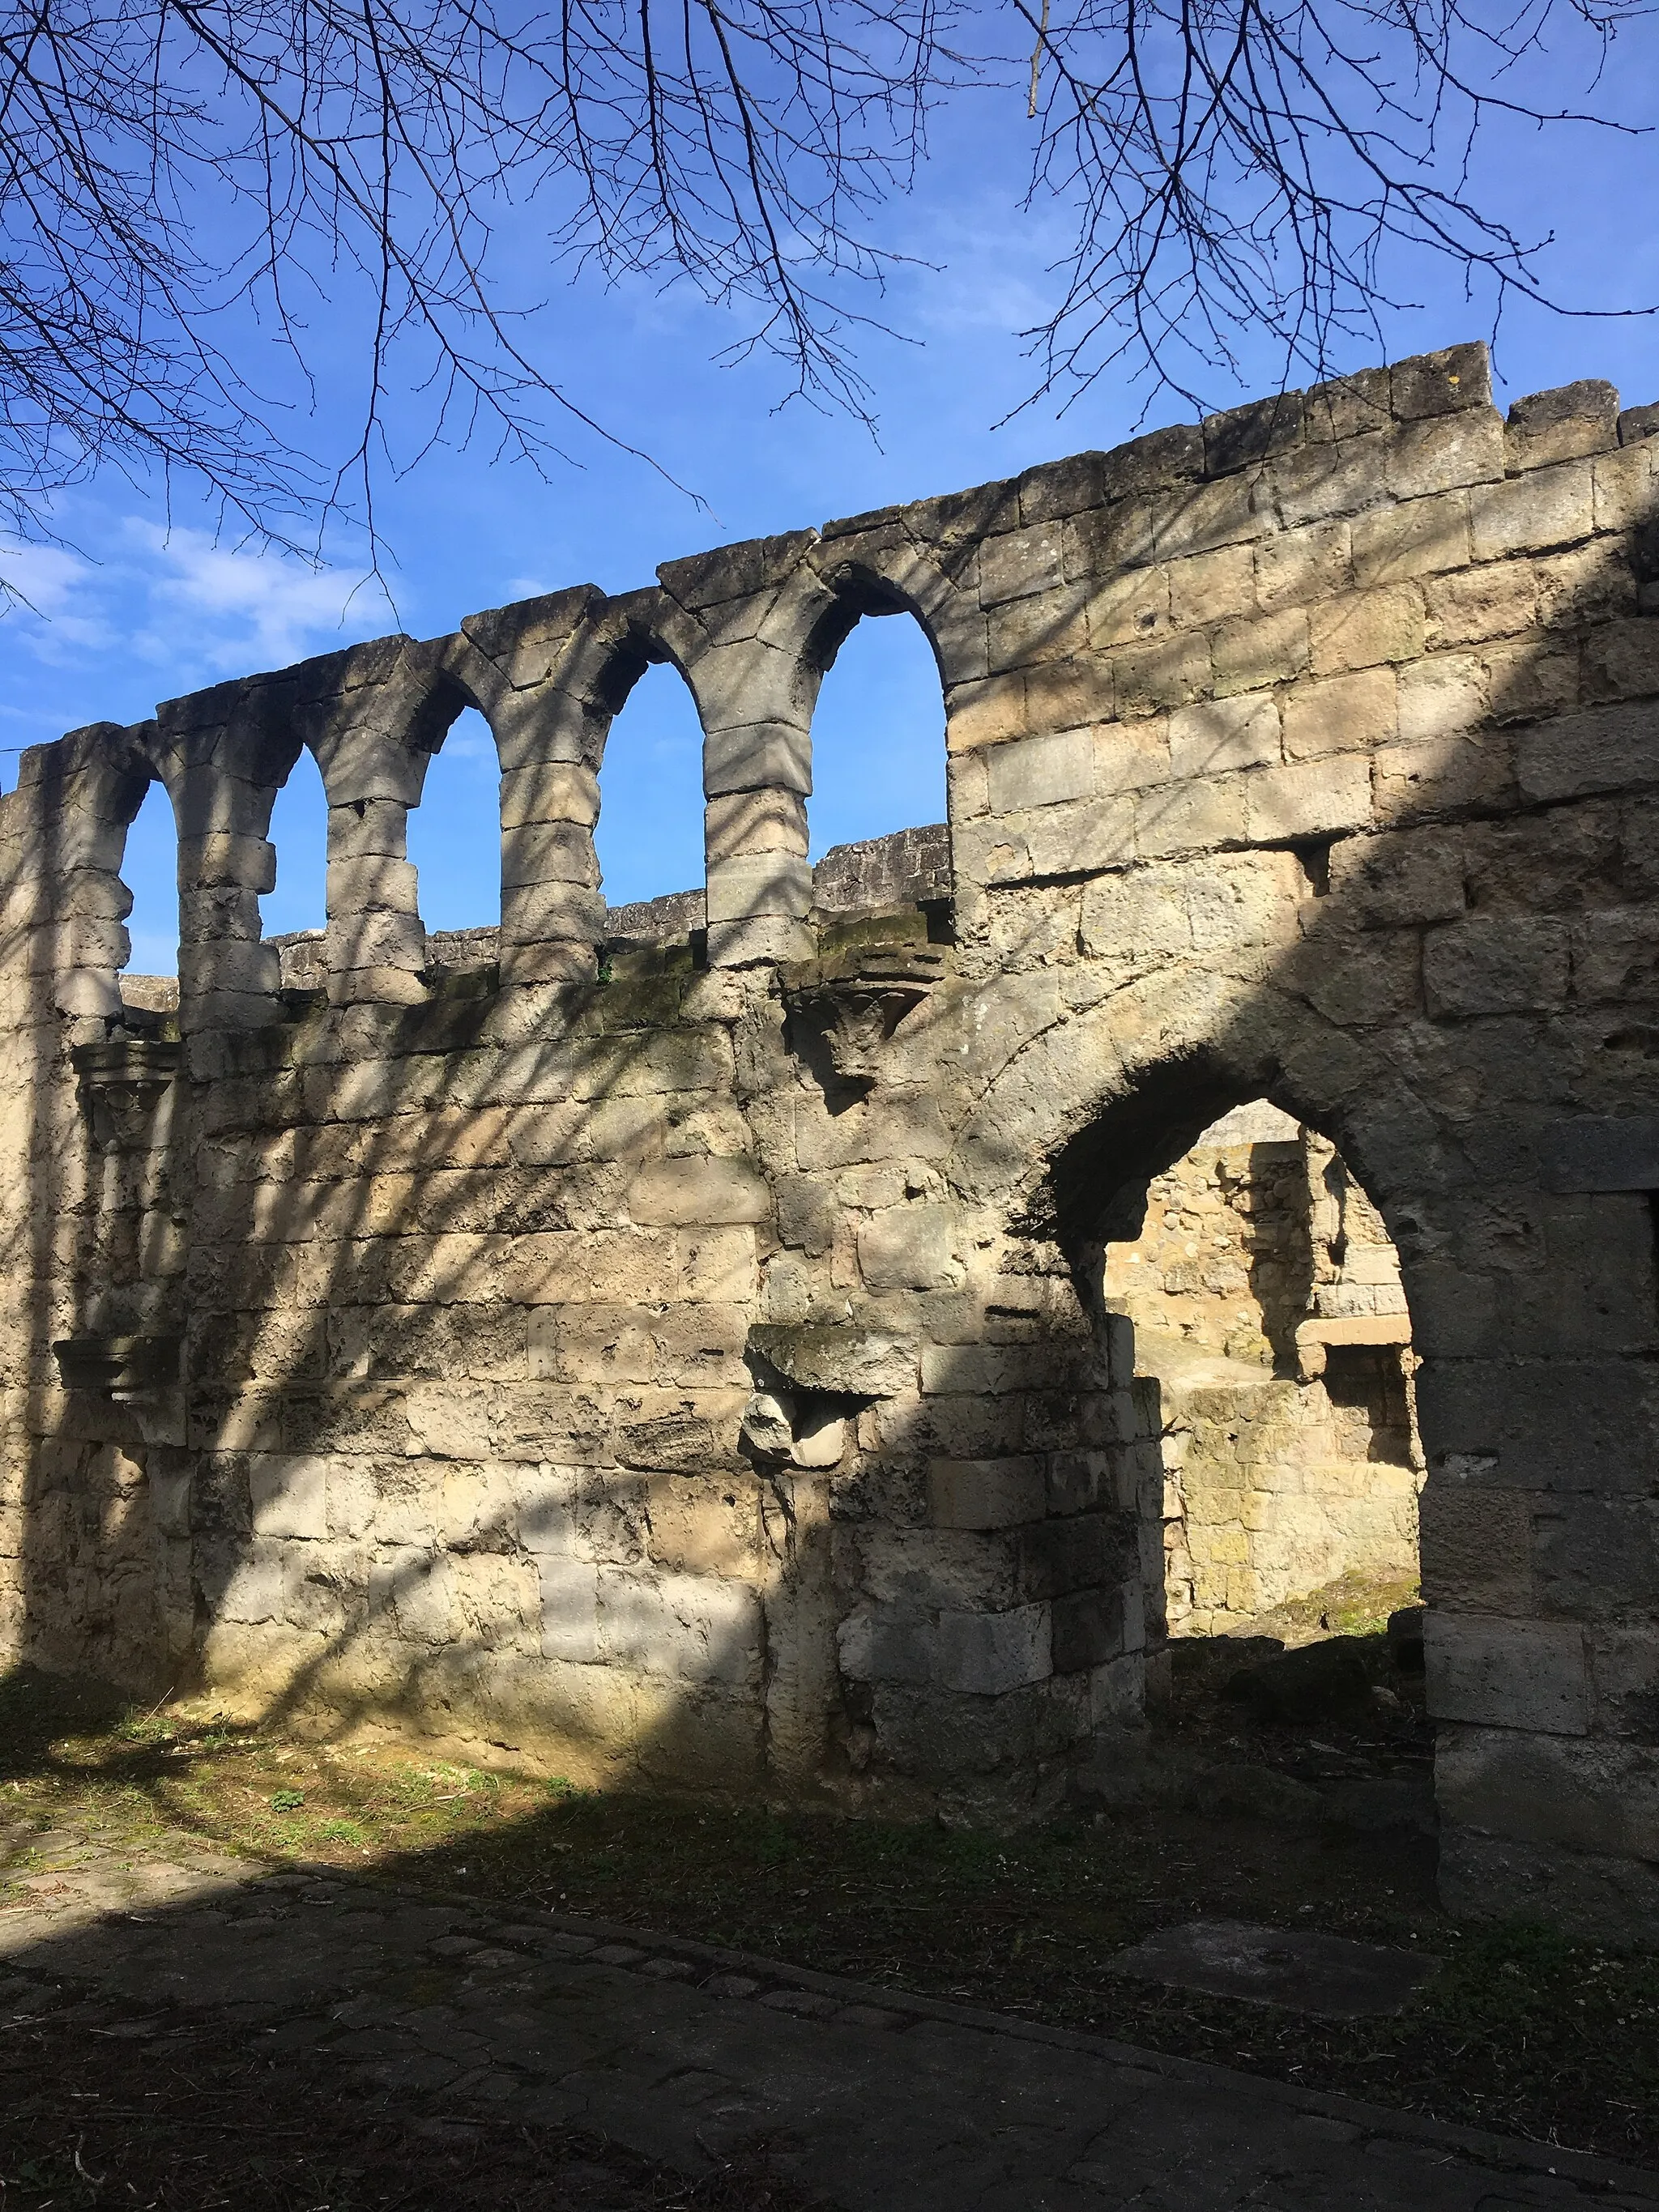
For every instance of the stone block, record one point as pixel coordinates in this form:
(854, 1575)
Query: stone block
(1507, 1674)
(1164, 674)
(1441, 383)
(1129, 609)
(377, 827)
(762, 939)
(1477, 1542)
(1188, 817)
(1340, 714)
(1496, 600)
(761, 755)
(1348, 406)
(986, 713)
(1065, 693)
(1502, 966)
(1419, 538)
(1442, 452)
(1530, 514)
(1254, 651)
(689, 1628)
(1435, 775)
(759, 883)
(1027, 633)
(1088, 1629)
(886, 1644)
(550, 851)
(1359, 629)
(1215, 735)
(1442, 696)
(988, 1654)
(1573, 1427)
(1602, 1153)
(1608, 749)
(1041, 771)
(1311, 799)
(288, 1493)
(1562, 425)
(986, 1493)
(1227, 512)
(1551, 1788)
(377, 940)
(1212, 587)
(1621, 660)
(248, 862)
(1019, 562)
(228, 967)
(359, 885)
(696, 1189)
(742, 822)
(907, 1247)
(1398, 879)
(569, 1609)
(550, 791)
(1051, 840)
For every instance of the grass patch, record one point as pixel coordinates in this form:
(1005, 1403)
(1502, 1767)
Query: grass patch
(1521, 2030)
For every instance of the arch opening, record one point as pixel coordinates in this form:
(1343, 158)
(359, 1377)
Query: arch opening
(877, 729)
(649, 835)
(1250, 1282)
(149, 980)
(294, 912)
(454, 842)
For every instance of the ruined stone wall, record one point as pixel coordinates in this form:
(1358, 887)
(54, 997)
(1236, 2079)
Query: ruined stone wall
(681, 1359)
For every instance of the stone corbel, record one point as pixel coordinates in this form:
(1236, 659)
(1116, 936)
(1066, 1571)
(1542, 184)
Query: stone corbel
(860, 1005)
(123, 1081)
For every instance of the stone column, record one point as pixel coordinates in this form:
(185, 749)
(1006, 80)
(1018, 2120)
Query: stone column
(518, 665)
(364, 724)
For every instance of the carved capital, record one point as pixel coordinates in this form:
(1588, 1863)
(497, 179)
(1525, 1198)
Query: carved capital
(859, 1004)
(123, 1081)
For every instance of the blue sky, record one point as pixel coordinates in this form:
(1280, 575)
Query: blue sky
(147, 605)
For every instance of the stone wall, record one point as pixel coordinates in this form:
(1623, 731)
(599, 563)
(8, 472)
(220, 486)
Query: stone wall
(683, 1360)
(1289, 1460)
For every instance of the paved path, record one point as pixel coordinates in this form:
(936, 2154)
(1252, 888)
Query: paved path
(874, 2100)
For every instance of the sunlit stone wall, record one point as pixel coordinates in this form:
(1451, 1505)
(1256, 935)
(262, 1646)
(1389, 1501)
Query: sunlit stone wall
(676, 1355)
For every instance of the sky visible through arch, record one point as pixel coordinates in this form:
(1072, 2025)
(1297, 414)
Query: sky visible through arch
(147, 605)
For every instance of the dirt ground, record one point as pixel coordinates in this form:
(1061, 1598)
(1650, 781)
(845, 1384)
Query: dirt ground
(1521, 2029)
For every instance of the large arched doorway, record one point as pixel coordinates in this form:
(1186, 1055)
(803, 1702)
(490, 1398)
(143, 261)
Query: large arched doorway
(1273, 1377)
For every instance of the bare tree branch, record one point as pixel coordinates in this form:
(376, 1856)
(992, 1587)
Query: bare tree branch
(186, 185)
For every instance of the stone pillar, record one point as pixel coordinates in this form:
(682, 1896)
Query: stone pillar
(746, 613)
(65, 903)
(365, 734)
(756, 778)
(223, 754)
(516, 665)
(1540, 1424)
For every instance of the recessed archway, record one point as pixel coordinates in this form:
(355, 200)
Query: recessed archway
(455, 832)
(149, 869)
(878, 735)
(649, 836)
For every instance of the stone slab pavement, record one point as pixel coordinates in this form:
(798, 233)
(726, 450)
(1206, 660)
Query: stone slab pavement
(869, 2097)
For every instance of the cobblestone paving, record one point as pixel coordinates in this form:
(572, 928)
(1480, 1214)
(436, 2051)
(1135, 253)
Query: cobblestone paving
(870, 2098)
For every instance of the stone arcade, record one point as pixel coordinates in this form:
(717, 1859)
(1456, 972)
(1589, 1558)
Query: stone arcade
(678, 1347)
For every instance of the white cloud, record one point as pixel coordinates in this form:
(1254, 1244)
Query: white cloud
(261, 609)
(182, 600)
